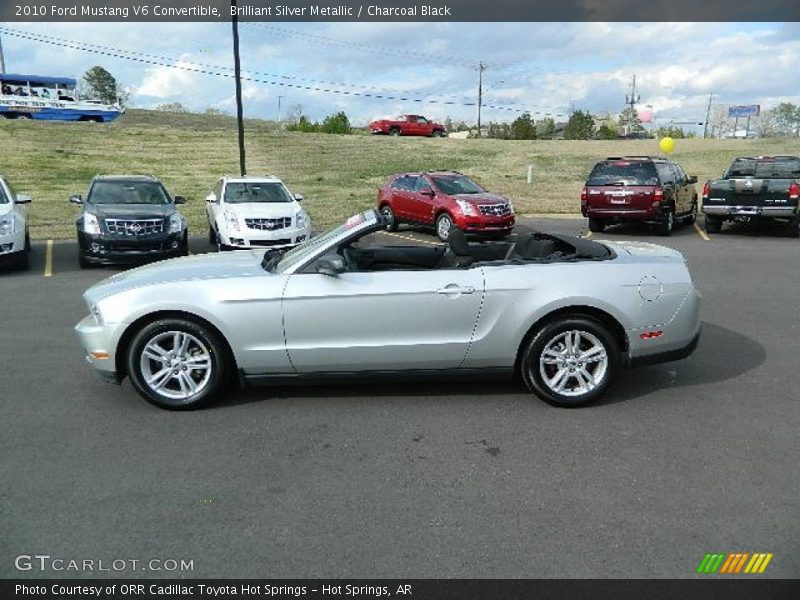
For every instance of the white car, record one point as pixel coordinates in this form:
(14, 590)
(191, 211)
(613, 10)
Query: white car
(255, 212)
(14, 240)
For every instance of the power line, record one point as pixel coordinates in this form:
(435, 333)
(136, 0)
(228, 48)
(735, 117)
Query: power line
(215, 71)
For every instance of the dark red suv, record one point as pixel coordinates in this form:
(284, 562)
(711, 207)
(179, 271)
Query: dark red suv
(639, 188)
(443, 199)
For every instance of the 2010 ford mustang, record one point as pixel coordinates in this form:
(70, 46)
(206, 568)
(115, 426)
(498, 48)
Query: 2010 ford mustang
(565, 313)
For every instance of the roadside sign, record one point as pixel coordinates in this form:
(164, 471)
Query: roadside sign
(744, 110)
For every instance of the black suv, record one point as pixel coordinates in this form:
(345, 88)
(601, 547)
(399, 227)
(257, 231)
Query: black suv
(639, 188)
(129, 219)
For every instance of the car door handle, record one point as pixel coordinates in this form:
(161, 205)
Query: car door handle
(454, 289)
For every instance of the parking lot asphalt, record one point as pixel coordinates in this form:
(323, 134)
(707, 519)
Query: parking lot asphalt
(450, 479)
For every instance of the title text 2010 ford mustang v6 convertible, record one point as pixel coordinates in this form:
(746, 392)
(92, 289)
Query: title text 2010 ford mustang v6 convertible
(565, 313)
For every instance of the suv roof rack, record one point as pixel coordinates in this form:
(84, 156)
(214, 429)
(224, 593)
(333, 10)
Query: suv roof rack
(636, 157)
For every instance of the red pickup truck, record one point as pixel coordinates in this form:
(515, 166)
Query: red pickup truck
(408, 125)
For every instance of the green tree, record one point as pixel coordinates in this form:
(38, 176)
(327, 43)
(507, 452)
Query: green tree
(786, 119)
(672, 131)
(580, 126)
(498, 131)
(523, 127)
(337, 123)
(304, 125)
(607, 131)
(629, 119)
(546, 128)
(176, 107)
(99, 84)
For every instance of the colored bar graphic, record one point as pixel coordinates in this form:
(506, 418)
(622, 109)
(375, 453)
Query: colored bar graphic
(733, 563)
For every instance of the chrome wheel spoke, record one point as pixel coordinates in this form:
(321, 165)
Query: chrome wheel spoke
(594, 354)
(180, 372)
(158, 380)
(573, 363)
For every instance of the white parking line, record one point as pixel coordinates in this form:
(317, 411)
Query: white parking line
(701, 233)
(48, 259)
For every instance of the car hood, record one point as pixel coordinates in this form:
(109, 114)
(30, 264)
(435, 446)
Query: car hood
(483, 198)
(263, 210)
(131, 211)
(222, 265)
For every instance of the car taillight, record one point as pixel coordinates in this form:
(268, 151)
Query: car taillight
(658, 196)
(706, 190)
(794, 191)
(584, 195)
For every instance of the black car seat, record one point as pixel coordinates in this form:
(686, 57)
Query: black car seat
(531, 248)
(457, 254)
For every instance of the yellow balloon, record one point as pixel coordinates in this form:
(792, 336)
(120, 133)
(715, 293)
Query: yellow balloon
(667, 145)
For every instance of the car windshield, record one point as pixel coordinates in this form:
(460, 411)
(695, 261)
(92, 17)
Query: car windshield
(456, 184)
(623, 173)
(236, 193)
(127, 192)
(282, 262)
(784, 168)
(3, 199)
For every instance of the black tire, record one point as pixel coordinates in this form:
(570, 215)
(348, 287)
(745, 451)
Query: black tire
(596, 225)
(713, 224)
(391, 220)
(794, 227)
(185, 245)
(692, 217)
(667, 226)
(21, 260)
(212, 235)
(394, 131)
(438, 133)
(593, 334)
(443, 224)
(219, 364)
(82, 262)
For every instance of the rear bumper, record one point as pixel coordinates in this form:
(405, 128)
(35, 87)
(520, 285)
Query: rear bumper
(668, 355)
(785, 212)
(654, 213)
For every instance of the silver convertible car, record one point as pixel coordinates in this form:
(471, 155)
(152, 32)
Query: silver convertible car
(565, 313)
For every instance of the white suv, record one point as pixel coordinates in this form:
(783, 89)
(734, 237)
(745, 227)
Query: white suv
(255, 211)
(15, 243)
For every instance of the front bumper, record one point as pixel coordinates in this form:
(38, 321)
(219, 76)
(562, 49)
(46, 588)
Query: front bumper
(121, 249)
(11, 244)
(483, 224)
(780, 212)
(276, 238)
(99, 343)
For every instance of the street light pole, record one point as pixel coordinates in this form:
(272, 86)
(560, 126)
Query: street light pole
(481, 68)
(237, 71)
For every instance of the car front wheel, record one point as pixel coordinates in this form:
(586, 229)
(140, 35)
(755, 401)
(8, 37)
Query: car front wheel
(388, 215)
(668, 224)
(443, 224)
(177, 364)
(596, 225)
(571, 361)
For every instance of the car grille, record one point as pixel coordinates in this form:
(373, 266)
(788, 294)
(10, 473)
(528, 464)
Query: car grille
(268, 224)
(281, 242)
(135, 227)
(495, 210)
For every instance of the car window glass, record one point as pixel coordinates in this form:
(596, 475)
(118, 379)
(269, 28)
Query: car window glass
(411, 183)
(127, 192)
(412, 119)
(262, 192)
(422, 120)
(788, 168)
(422, 184)
(3, 198)
(623, 173)
(401, 183)
(665, 173)
(456, 184)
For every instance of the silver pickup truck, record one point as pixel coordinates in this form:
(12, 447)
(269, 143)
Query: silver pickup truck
(754, 188)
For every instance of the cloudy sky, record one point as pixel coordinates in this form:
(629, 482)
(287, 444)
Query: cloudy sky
(539, 67)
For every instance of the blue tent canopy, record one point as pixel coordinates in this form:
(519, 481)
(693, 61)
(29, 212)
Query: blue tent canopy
(34, 80)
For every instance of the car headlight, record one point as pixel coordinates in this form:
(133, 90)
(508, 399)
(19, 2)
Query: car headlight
(90, 224)
(232, 220)
(467, 208)
(302, 220)
(6, 224)
(175, 223)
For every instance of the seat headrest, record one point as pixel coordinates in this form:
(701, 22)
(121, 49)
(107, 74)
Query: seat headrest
(530, 247)
(458, 242)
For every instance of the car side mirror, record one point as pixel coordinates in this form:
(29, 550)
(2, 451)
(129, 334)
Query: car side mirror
(211, 198)
(427, 192)
(299, 197)
(23, 199)
(180, 200)
(76, 199)
(692, 179)
(330, 264)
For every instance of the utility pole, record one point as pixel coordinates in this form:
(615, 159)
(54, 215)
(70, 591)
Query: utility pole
(2, 57)
(708, 115)
(481, 69)
(632, 101)
(279, 110)
(237, 72)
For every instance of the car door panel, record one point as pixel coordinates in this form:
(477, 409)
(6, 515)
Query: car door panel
(381, 321)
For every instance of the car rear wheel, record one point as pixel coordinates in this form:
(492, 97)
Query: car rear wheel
(394, 131)
(596, 225)
(177, 364)
(692, 213)
(570, 361)
(668, 224)
(794, 227)
(713, 224)
(443, 224)
(391, 220)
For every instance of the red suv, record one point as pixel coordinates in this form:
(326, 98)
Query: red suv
(639, 188)
(444, 199)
